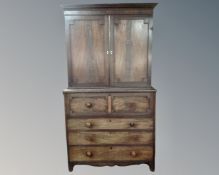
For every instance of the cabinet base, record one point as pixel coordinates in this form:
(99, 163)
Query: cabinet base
(71, 165)
(151, 165)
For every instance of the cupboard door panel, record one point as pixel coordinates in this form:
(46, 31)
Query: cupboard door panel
(86, 48)
(130, 58)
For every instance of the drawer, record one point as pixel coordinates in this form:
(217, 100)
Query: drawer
(110, 123)
(133, 103)
(87, 104)
(107, 153)
(106, 137)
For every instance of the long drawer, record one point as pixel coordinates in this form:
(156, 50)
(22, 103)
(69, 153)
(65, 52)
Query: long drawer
(106, 137)
(110, 123)
(107, 153)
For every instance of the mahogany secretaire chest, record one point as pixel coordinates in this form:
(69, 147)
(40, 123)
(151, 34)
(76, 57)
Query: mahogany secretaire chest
(109, 102)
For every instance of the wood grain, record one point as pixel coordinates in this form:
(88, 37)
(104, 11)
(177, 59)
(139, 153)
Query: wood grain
(130, 104)
(110, 123)
(104, 138)
(80, 104)
(110, 104)
(130, 50)
(87, 51)
(115, 153)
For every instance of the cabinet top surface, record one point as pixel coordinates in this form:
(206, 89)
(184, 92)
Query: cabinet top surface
(68, 7)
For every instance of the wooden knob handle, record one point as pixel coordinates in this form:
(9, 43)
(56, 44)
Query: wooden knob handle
(89, 154)
(132, 124)
(88, 124)
(89, 105)
(133, 153)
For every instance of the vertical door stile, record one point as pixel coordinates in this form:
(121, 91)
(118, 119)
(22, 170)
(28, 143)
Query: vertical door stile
(111, 47)
(67, 43)
(107, 56)
(109, 24)
(150, 30)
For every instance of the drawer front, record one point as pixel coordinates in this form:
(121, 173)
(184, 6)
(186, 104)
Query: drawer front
(110, 123)
(87, 104)
(107, 153)
(105, 137)
(132, 103)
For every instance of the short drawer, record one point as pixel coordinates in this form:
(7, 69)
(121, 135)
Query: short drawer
(87, 104)
(110, 123)
(133, 103)
(107, 153)
(109, 138)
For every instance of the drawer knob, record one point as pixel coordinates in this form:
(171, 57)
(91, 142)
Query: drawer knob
(133, 154)
(131, 124)
(88, 105)
(88, 124)
(89, 154)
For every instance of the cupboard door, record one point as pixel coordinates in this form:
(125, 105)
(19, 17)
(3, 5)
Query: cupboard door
(130, 44)
(87, 44)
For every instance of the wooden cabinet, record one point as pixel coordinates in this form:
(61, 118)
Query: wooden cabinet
(109, 102)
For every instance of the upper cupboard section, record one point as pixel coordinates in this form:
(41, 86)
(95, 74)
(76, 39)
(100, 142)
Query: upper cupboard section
(109, 48)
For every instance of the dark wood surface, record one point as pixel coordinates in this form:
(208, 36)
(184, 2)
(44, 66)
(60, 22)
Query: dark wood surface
(110, 103)
(79, 104)
(88, 104)
(130, 104)
(110, 138)
(70, 7)
(133, 103)
(97, 104)
(108, 90)
(87, 55)
(108, 50)
(130, 43)
(110, 153)
(107, 123)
